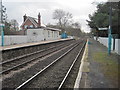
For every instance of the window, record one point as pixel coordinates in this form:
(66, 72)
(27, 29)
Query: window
(48, 34)
(52, 33)
(25, 26)
(57, 34)
(31, 26)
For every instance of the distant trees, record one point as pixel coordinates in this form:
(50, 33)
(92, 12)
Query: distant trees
(7, 28)
(100, 18)
(76, 25)
(14, 25)
(65, 23)
(10, 26)
(70, 30)
(63, 17)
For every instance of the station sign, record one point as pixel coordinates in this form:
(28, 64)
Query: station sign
(102, 28)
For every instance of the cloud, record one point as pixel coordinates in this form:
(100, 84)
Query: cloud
(16, 10)
(79, 8)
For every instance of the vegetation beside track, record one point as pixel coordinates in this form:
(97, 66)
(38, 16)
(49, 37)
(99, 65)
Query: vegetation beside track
(108, 66)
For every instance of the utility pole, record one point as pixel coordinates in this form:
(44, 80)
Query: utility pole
(110, 29)
(2, 25)
(1, 10)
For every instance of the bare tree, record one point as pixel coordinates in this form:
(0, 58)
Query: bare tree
(62, 17)
(76, 25)
(14, 25)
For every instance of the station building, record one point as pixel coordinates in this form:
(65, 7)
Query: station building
(34, 28)
(43, 33)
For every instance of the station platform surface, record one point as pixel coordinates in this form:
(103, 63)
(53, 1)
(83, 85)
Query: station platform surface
(100, 70)
(29, 44)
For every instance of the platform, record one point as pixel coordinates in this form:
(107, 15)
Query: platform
(99, 70)
(30, 44)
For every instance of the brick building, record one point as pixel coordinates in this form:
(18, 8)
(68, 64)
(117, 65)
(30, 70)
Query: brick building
(30, 22)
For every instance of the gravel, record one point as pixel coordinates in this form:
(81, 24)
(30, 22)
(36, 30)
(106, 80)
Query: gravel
(74, 72)
(19, 61)
(54, 75)
(23, 75)
(12, 53)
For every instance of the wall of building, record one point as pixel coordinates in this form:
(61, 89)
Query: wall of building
(51, 35)
(43, 34)
(33, 35)
(104, 41)
(14, 39)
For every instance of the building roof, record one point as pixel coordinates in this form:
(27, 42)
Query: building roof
(33, 20)
(46, 28)
(53, 29)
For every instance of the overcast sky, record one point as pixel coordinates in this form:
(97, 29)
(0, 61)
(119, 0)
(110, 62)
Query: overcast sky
(79, 8)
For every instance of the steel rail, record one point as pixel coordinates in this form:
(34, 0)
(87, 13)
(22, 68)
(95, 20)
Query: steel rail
(23, 56)
(41, 71)
(7, 70)
(68, 72)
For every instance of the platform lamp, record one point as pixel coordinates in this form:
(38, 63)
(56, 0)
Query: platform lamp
(2, 25)
(110, 29)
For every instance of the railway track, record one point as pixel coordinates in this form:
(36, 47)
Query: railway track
(30, 83)
(62, 84)
(16, 52)
(11, 64)
(29, 54)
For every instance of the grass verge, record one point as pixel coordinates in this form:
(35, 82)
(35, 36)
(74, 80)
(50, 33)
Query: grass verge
(108, 66)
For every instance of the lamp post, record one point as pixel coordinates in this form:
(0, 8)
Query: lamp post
(2, 34)
(1, 10)
(2, 26)
(109, 30)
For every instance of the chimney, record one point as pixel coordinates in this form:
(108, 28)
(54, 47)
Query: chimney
(39, 20)
(24, 17)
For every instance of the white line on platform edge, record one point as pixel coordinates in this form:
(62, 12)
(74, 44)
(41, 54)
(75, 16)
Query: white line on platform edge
(78, 79)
